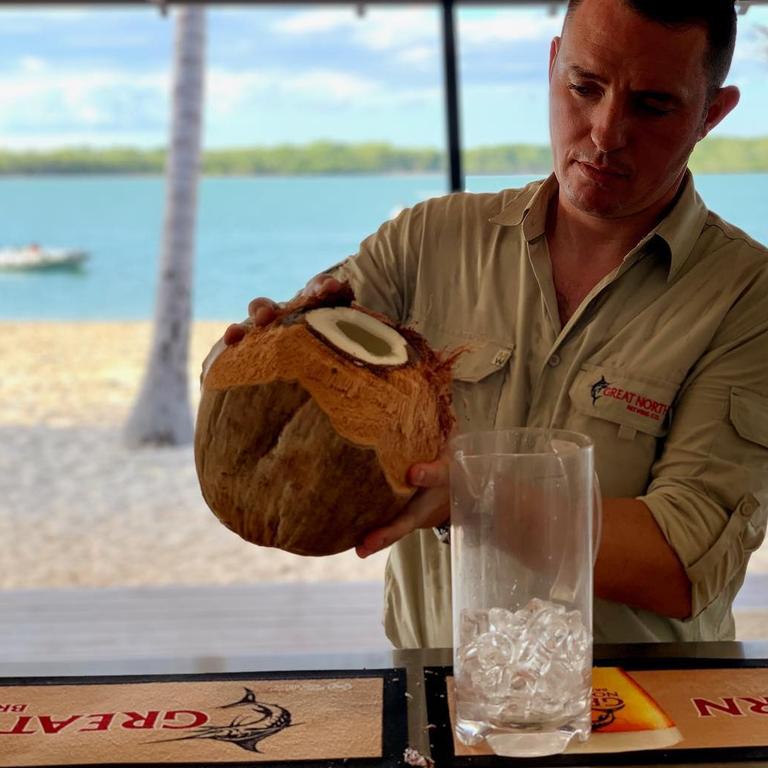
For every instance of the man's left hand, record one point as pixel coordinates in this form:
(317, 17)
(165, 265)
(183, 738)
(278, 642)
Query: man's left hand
(429, 507)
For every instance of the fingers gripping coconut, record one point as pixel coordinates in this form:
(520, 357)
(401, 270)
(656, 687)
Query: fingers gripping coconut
(308, 425)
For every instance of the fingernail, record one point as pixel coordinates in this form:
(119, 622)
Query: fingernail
(420, 476)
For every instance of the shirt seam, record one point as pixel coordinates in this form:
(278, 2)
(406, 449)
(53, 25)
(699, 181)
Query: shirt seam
(742, 238)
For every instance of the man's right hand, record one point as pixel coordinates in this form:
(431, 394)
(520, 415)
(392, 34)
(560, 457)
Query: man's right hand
(262, 311)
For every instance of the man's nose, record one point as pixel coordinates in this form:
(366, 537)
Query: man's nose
(609, 125)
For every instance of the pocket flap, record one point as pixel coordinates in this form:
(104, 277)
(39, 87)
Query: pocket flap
(749, 415)
(632, 401)
(479, 357)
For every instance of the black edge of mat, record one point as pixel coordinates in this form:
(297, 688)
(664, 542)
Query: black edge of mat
(394, 713)
(441, 733)
(643, 663)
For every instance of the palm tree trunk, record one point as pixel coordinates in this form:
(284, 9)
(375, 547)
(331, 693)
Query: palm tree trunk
(161, 414)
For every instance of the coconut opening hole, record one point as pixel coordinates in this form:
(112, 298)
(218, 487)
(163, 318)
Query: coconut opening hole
(373, 344)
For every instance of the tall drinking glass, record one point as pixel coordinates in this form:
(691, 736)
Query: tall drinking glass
(524, 514)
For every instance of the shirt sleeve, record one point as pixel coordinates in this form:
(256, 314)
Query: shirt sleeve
(383, 272)
(709, 488)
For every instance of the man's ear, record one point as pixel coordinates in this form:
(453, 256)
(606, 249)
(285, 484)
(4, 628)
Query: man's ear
(554, 48)
(721, 105)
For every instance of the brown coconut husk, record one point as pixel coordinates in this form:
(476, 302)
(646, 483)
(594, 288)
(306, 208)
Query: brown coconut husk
(300, 446)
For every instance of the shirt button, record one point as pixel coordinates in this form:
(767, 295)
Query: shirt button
(554, 361)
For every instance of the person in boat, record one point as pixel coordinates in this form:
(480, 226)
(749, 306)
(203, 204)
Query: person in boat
(605, 299)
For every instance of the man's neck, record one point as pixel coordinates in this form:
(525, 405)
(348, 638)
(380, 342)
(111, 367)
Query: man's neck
(605, 240)
(588, 238)
(583, 249)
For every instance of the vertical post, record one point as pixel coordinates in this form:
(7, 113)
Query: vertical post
(452, 96)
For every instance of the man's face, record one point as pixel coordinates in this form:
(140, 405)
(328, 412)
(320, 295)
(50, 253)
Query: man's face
(628, 102)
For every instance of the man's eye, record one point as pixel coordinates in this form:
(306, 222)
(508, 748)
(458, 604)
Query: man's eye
(653, 109)
(581, 90)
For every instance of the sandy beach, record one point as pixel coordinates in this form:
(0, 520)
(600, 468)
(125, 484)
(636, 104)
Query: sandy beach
(78, 508)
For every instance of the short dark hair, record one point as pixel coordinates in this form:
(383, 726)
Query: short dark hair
(718, 17)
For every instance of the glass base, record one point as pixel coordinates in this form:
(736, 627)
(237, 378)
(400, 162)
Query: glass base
(524, 741)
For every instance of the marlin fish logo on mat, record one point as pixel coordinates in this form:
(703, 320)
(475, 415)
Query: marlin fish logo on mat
(254, 722)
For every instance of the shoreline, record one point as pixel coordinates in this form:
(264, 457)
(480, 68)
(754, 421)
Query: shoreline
(80, 509)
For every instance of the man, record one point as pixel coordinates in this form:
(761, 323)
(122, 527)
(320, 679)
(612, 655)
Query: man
(609, 301)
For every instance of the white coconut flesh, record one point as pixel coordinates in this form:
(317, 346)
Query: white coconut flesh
(359, 335)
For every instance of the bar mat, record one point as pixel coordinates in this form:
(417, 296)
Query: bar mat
(273, 719)
(709, 711)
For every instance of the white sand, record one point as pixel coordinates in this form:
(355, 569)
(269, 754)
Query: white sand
(78, 508)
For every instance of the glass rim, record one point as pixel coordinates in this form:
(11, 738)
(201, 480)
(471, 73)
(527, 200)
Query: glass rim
(582, 441)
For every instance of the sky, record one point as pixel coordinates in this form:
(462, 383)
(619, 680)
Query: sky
(100, 76)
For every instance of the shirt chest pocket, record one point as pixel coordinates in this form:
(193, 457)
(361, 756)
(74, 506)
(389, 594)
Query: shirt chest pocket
(632, 403)
(478, 377)
(626, 415)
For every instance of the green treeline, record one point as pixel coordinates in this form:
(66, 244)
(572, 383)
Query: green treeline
(82, 160)
(713, 155)
(322, 157)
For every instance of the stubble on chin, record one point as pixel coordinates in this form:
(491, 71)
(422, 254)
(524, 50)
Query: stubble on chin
(589, 198)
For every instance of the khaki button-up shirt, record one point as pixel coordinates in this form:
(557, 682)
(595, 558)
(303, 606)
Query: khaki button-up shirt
(664, 365)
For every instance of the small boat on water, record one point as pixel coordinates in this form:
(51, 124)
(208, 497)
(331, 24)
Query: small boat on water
(38, 257)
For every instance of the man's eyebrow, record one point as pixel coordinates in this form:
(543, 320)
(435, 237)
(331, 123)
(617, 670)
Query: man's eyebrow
(585, 73)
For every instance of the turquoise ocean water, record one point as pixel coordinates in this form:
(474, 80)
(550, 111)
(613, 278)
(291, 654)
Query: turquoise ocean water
(256, 236)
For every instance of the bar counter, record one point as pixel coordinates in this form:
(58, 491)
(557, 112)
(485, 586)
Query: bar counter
(414, 662)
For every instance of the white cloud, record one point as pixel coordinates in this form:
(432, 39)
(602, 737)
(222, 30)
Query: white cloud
(340, 86)
(753, 50)
(31, 64)
(25, 20)
(418, 54)
(388, 30)
(382, 29)
(509, 27)
(226, 91)
(314, 22)
(73, 13)
(230, 92)
(41, 104)
(41, 99)
(377, 30)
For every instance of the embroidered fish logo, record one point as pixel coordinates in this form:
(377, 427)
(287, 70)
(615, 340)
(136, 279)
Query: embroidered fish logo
(255, 722)
(597, 389)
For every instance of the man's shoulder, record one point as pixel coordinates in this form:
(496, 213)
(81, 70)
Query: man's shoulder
(723, 234)
(734, 262)
(484, 204)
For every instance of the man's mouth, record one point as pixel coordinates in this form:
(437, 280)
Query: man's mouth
(601, 172)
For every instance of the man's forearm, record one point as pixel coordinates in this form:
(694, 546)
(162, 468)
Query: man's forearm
(635, 564)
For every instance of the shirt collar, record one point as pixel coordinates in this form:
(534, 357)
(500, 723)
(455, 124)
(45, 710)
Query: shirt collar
(529, 207)
(678, 230)
(681, 227)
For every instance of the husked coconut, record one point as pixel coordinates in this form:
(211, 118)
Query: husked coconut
(307, 427)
